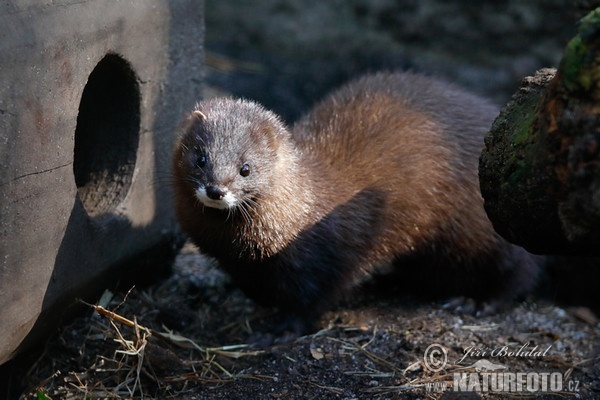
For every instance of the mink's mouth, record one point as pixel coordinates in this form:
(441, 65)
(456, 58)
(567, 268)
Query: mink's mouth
(218, 204)
(219, 198)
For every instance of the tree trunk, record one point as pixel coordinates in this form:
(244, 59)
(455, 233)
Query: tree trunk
(540, 169)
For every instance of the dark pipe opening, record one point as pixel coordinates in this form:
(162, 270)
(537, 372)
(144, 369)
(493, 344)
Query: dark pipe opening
(107, 134)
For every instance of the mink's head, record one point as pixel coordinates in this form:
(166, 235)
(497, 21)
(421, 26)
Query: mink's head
(230, 152)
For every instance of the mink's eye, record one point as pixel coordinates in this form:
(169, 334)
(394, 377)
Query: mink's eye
(245, 170)
(201, 160)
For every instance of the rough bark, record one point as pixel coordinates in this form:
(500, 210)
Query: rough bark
(540, 169)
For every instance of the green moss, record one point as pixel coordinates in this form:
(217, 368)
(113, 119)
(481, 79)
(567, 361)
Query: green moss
(519, 174)
(580, 64)
(572, 62)
(522, 117)
(523, 128)
(589, 26)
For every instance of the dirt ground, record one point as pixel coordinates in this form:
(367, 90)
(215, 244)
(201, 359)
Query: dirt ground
(186, 332)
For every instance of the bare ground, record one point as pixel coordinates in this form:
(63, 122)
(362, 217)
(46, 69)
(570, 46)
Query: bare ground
(180, 339)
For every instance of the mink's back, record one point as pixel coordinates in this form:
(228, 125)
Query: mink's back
(394, 113)
(414, 140)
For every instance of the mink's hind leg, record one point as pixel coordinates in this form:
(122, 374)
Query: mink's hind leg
(506, 277)
(513, 274)
(479, 285)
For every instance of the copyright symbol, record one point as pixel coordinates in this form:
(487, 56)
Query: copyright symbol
(436, 357)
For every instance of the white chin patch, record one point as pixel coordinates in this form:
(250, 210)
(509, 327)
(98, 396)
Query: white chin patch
(227, 202)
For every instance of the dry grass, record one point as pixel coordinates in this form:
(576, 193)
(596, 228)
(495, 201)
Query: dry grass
(134, 361)
(168, 342)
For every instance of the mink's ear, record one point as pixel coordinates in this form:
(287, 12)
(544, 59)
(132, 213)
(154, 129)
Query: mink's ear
(200, 115)
(193, 122)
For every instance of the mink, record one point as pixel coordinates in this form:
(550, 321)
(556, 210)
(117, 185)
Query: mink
(383, 171)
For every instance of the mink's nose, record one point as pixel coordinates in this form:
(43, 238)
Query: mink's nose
(215, 193)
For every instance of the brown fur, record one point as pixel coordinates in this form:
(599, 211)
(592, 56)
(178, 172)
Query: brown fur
(383, 171)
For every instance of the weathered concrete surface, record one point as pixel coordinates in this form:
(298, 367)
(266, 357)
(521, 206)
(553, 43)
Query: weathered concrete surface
(540, 169)
(53, 246)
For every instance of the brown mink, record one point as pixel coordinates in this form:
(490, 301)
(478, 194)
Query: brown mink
(381, 172)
